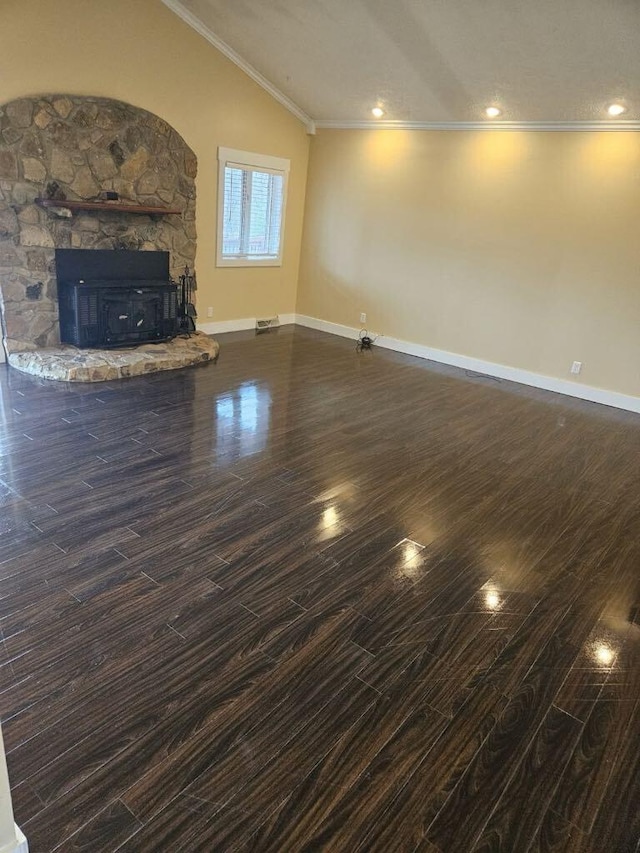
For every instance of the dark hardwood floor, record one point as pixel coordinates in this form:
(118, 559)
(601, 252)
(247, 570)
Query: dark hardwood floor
(313, 599)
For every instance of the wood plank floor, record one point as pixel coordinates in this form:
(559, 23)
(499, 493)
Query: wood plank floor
(313, 599)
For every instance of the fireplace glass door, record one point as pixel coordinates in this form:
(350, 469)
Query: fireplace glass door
(131, 316)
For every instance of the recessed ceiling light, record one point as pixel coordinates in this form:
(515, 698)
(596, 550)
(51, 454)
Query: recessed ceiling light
(492, 112)
(378, 112)
(616, 110)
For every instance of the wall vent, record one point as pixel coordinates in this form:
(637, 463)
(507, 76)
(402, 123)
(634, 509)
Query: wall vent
(266, 324)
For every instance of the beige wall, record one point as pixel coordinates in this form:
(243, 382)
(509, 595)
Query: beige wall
(516, 248)
(138, 51)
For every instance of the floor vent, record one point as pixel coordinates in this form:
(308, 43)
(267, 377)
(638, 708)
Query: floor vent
(267, 324)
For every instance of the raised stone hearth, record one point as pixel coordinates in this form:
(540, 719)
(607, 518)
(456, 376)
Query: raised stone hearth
(70, 364)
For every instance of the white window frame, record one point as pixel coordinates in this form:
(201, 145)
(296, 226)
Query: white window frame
(261, 163)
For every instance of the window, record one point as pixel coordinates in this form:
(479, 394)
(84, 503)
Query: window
(252, 190)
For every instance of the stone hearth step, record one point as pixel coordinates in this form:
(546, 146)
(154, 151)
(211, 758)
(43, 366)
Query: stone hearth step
(70, 364)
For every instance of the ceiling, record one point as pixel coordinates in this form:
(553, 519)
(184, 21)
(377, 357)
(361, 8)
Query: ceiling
(433, 61)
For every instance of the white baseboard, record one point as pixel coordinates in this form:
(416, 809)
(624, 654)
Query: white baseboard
(326, 326)
(219, 327)
(501, 371)
(18, 846)
(22, 845)
(287, 319)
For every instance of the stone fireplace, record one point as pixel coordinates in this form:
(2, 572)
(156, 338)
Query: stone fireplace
(133, 170)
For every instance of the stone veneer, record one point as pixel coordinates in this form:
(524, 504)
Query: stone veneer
(76, 148)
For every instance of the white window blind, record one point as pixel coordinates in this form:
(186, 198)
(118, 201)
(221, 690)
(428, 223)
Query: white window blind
(251, 213)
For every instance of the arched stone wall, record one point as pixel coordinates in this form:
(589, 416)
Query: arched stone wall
(78, 148)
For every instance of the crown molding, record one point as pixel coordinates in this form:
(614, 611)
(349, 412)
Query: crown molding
(564, 126)
(177, 7)
(189, 18)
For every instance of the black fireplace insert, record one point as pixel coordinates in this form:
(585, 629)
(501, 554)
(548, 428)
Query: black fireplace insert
(114, 298)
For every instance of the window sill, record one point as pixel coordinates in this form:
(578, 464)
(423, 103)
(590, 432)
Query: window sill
(244, 262)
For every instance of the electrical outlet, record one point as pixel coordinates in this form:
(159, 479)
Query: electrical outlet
(576, 367)
(209, 311)
(363, 317)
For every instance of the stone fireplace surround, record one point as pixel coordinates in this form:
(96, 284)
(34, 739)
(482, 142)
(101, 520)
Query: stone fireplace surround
(77, 148)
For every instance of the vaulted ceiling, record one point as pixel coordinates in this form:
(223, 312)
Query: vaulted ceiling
(434, 61)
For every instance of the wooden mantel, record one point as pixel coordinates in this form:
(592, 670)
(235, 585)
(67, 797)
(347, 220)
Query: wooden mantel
(113, 206)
